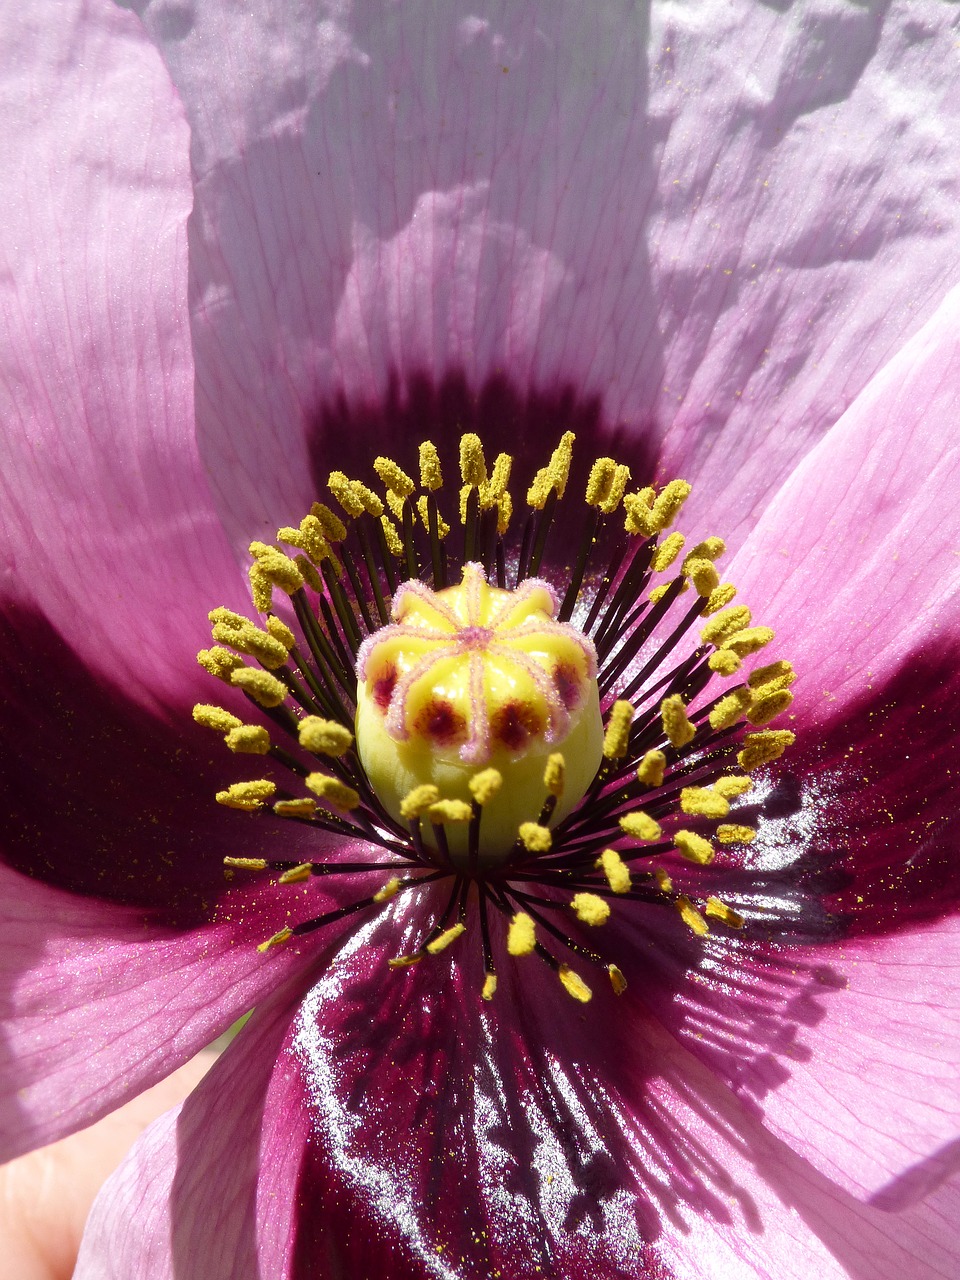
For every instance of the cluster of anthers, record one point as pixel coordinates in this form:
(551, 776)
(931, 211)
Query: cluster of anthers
(486, 744)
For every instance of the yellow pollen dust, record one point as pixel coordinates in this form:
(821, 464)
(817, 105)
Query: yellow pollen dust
(475, 677)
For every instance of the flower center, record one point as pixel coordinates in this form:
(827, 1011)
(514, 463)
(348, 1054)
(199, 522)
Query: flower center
(497, 727)
(475, 676)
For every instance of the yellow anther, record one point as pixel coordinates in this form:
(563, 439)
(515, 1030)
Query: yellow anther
(640, 826)
(393, 477)
(423, 510)
(767, 706)
(607, 484)
(616, 738)
(522, 935)
(280, 631)
(417, 801)
(733, 833)
(241, 634)
(443, 941)
(535, 838)
(720, 911)
(704, 576)
(332, 790)
(303, 807)
(220, 662)
(560, 460)
(668, 502)
(345, 492)
(573, 984)
(691, 917)
(749, 640)
(651, 767)
(215, 718)
(249, 739)
(309, 538)
(405, 962)
(667, 552)
(762, 748)
(277, 567)
(395, 503)
(664, 883)
(719, 598)
(489, 986)
(297, 875)
(246, 864)
(590, 908)
(639, 512)
(282, 935)
(726, 624)
(709, 549)
(657, 594)
(465, 493)
(615, 870)
(496, 487)
(723, 662)
(324, 737)
(310, 575)
(262, 687)
(504, 512)
(247, 795)
(694, 848)
(332, 527)
(769, 679)
(732, 785)
(731, 708)
(392, 537)
(372, 504)
(473, 467)
(431, 477)
(485, 785)
(554, 476)
(450, 811)
(677, 728)
(554, 774)
(261, 589)
(702, 802)
(389, 890)
(617, 980)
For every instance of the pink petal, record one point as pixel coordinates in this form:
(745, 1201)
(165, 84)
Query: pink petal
(105, 523)
(101, 1001)
(371, 1145)
(720, 228)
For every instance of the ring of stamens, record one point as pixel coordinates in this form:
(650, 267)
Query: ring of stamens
(680, 740)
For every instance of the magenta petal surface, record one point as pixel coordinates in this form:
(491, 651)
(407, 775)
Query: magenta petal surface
(722, 225)
(102, 491)
(100, 1002)
(398, 1130)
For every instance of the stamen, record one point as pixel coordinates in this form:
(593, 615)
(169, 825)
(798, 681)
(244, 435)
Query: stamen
(522, 935)
(616, 871)
(470, 747)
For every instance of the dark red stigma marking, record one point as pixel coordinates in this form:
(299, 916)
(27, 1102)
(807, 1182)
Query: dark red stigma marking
(383, 688)
(568, 684)
(515, 724)
(439, 721)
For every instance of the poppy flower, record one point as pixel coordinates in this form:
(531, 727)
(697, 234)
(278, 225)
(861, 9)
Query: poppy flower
(713, 248)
